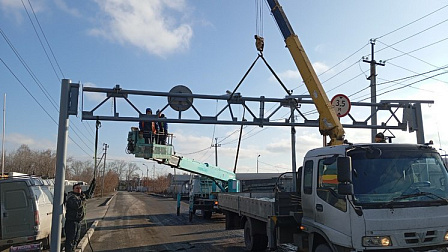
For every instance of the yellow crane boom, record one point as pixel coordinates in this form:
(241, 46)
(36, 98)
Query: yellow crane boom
(329, 124)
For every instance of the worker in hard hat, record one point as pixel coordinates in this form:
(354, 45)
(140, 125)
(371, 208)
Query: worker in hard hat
(147, 128)
(379, 138)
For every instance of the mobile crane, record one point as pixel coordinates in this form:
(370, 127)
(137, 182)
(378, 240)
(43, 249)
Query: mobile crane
(348, 197)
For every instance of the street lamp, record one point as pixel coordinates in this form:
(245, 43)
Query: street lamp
(257, 161)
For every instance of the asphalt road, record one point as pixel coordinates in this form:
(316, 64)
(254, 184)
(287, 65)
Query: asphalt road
(139, 222)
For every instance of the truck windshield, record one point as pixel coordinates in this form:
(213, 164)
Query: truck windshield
(399, 177)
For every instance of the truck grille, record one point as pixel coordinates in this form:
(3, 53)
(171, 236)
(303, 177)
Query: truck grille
(421, 237)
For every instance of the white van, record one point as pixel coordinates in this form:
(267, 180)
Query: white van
(25, 211)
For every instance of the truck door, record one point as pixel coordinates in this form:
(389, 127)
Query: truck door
(17, 210)
(331, 209)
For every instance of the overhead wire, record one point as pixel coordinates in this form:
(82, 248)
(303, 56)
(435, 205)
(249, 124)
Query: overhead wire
(38, 37)
(46, 40)
(413, 35)
(50, 61)
(391, 46)
(33, 76)
(393, 31)
(40, 105)
(48, 57)
(407, 85)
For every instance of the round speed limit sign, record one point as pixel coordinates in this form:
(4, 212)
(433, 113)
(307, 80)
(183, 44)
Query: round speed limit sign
(341, 105)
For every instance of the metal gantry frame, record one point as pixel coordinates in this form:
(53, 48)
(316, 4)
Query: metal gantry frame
(409, 109)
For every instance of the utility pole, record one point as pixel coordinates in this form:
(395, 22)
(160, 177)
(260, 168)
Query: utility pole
(216, 145)
(68, 105)
(372, 79)
(3, 135)
(104, 167)
(98, 125)
(153, 177)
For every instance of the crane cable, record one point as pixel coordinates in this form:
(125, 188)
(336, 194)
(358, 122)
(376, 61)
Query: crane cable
(239, 142)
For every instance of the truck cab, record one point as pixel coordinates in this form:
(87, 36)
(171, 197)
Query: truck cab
(375, 196)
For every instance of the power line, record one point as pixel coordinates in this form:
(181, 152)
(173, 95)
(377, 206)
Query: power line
(46, 40)
(37, 81)
(408, 54)
(413, 76)
(34, 77)
(44, 90)
(412, 22)
(15, 76)
(37, 34)
(413, 35)
(407, 85)
(337, 64)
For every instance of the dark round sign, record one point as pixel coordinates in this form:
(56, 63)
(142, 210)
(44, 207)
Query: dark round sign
(180, 103)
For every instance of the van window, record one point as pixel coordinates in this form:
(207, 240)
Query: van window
(15, 199)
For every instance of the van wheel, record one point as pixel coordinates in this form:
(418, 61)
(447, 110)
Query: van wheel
(323, 248)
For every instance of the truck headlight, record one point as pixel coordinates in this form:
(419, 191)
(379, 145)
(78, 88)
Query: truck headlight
(378, 241)
(445, 238)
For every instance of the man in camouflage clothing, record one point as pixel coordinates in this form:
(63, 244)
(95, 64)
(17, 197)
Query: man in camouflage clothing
(75, 204)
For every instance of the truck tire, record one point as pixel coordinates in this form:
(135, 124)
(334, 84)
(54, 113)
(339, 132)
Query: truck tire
(46, 242)
(207, 215)
(254, 242)
(323, 248)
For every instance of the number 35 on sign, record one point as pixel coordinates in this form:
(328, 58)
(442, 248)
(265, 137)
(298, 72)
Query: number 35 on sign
(341, 105)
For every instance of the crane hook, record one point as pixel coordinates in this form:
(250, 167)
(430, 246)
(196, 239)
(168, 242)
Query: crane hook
(259, 43)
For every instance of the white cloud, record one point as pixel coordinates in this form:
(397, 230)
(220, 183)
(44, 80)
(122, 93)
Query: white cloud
(63, 6)
(15, 140)
(91, 96)
(294, 75)
(149, 25)
(11, 4)
(15, 9)
(320, 67)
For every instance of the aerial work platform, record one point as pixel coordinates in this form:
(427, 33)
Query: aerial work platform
(164, 154)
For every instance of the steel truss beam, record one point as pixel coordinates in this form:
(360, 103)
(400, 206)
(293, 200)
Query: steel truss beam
(409, 109)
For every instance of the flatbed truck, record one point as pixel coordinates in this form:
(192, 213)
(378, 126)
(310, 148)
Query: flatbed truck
(351, 197)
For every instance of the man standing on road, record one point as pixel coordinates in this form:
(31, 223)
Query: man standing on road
(75, 204)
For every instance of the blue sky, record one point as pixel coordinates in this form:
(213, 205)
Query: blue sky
(207, 46)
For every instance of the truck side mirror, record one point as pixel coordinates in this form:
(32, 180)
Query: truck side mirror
(344, 170)
(345, 189)
(345, 186)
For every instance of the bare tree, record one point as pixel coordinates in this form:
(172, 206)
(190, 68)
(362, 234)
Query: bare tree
(119, 167)
(77, 169)
(132, 168)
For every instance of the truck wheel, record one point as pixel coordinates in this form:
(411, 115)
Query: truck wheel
(323, 248)
(254, 242)
(208, 215)
(46, 242)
